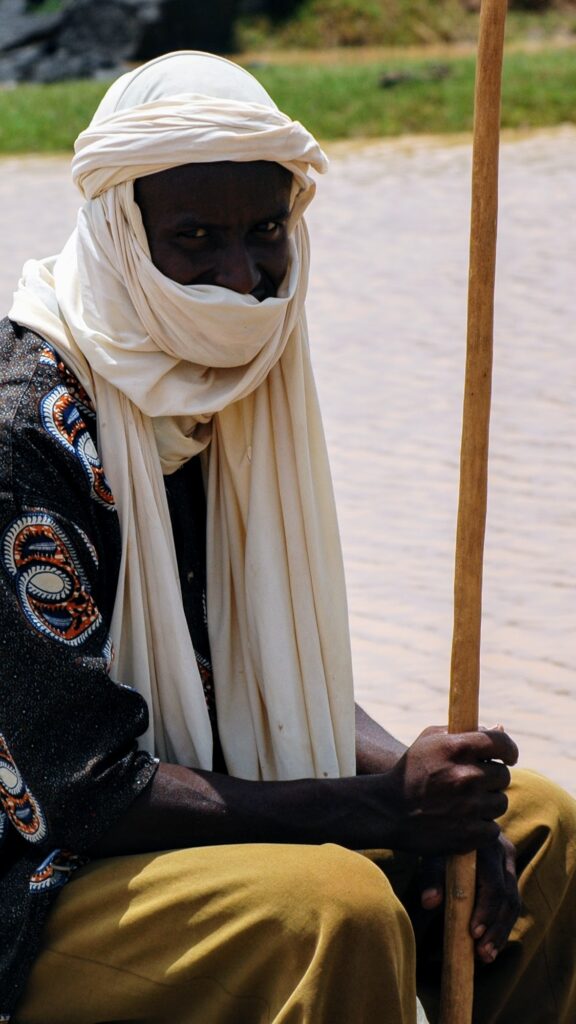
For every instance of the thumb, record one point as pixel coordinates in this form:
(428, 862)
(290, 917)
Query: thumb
(431, 882)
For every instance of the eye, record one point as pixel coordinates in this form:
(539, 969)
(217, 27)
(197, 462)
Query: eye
(193, 233)
(271, 228)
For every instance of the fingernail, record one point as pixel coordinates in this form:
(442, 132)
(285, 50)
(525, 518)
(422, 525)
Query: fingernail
(479, 930)
(430, 896)
(490, 950)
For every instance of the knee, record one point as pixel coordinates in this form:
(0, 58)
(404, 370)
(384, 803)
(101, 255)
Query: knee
(337, 889)
(534, 797)
(542, 817)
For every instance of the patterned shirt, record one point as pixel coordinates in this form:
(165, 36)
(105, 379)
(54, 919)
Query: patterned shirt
(69, 761)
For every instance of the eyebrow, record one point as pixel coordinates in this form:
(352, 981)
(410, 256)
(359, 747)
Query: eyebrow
(190, 220)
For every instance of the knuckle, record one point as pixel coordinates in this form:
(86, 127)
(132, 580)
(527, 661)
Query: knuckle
(460, 776)
(456, 744)
(433, 730)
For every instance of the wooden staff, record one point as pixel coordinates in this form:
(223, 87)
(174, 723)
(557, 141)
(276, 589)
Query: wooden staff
(458, 972)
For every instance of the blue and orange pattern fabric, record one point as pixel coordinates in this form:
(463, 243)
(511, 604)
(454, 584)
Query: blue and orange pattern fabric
(54, 593)
(65, 412)
(54, 871)
(69, 758)
(18, 803)
(62, 415)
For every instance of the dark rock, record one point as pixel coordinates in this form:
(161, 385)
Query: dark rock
(183, 24)
(432, 73)
(390, 79)
(19, 27)
(278, 10)
(86, 38)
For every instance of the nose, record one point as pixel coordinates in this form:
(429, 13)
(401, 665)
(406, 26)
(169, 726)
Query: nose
(237, 269)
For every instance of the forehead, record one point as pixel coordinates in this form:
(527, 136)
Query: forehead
(244, 189)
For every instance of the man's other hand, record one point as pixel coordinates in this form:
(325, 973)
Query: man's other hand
(497, 902)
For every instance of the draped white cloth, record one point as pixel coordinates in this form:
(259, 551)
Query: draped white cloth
(178, 369)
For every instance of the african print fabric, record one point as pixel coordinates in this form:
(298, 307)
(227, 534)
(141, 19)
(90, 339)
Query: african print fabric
(69, 758)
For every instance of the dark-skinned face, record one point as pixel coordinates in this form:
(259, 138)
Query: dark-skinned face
(219, 223)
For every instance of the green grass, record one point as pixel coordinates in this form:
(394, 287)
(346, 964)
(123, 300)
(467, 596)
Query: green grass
(46, 7)
(324, 23)
(539, 89)
(46, 118)
(347, 102)
(335, 101)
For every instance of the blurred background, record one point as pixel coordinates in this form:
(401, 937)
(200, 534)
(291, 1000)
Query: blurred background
(51, 40)
(349, 69)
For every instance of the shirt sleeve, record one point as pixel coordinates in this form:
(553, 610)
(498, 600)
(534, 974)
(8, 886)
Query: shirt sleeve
(69, 758)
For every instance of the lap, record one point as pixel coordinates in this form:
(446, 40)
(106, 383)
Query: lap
(232, 926)
(132, 933)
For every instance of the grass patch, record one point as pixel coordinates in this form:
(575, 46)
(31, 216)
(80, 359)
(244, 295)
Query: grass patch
(326, 23)
(431, 96)
(46, 7)
(334, 100)
(46, 118)
(551, 24)
(319, 24)
(339, 103)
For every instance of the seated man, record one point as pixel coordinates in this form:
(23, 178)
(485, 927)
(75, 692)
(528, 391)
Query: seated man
(179, 740)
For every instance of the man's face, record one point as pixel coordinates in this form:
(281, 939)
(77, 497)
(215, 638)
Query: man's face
(219, 223)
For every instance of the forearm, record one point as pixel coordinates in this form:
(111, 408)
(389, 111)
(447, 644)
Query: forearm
(376, 750)
(183, 807)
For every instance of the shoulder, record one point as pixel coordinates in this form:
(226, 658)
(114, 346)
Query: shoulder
(55, 502)
(48, 446)
(22, 359)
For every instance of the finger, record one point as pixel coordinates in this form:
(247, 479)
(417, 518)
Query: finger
(497, 902)
(494, 805)
(487, 745)
(497, 775)
(431, 882)
(489, 889)
(495, 935)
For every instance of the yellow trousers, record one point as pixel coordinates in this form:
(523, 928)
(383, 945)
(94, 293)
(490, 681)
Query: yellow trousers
(278, 934)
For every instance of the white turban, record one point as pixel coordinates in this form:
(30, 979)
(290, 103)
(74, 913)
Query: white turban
(178, 369)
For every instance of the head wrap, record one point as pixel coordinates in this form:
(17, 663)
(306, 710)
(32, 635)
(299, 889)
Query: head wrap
(175, 370)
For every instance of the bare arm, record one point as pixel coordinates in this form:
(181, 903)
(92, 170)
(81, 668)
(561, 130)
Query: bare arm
(376, 749)
(186, 807)
(440, 796)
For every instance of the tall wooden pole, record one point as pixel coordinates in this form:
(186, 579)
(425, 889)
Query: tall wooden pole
(458, 974)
